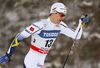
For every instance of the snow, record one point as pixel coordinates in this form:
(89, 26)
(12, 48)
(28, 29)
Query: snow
(99, 65)
(95, 35)
(19, 66)
(12, 16)
(86, 34)
(87, 3)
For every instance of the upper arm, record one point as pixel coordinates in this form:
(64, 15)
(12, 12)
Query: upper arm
(70, 32)
(67, 31)
(30, 30)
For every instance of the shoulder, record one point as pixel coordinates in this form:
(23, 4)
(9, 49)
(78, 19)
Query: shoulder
(62, 24)
(37, 24)
(34, 27)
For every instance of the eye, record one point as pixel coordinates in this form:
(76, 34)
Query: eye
(62, 15)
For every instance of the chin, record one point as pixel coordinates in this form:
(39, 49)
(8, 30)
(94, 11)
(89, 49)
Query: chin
(58, 23)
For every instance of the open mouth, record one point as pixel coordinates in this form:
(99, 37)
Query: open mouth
(60, 20)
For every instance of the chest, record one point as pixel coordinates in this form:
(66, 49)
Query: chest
(49, 30)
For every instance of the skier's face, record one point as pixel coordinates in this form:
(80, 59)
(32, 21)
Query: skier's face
(59, 17)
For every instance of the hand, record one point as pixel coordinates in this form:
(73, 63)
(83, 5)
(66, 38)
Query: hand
(4, 59)
(85, 18)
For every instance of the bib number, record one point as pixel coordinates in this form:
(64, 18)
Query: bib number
(48, 43)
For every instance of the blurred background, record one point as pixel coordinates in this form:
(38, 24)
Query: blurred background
(16, 15)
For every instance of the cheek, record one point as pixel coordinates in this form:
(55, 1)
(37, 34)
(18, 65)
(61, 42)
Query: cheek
(56, 18)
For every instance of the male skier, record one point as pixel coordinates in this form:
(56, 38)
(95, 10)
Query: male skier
(44, 33)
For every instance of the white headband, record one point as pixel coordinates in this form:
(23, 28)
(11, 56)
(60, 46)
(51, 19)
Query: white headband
(59, 7)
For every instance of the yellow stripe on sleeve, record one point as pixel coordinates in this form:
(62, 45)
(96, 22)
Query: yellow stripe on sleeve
(16, 43)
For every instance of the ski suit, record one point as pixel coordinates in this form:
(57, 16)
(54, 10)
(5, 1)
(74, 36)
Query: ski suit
(43, 33)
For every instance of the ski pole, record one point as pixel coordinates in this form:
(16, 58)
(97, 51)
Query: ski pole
(71, 47)
(83, 23)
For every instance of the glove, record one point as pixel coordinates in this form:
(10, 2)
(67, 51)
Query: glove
(85, 18)
(4, 59)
